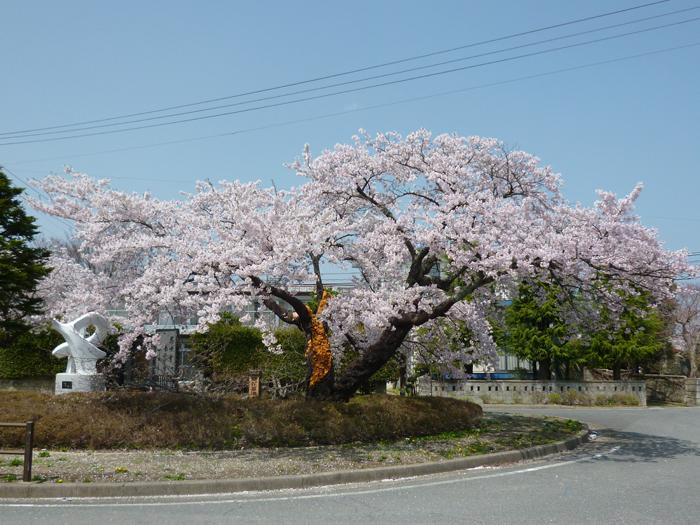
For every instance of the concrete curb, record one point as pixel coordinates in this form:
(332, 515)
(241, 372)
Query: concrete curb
(223, 486)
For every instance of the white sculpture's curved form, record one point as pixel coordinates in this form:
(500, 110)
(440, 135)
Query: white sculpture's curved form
(81, 351)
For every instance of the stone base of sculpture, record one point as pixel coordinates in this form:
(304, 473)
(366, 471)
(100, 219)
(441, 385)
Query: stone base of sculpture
(67, 383)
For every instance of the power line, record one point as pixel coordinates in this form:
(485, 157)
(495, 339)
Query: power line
(362, 88)
(348, 72)
(662, 217)
(30, 187)
(369, 108)
(348, 82)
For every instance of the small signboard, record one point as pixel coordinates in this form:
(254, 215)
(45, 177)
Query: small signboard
(67, 385)
(254, 385)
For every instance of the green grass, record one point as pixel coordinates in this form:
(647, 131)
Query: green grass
(175, 477)
(496, 432)
(470, 449)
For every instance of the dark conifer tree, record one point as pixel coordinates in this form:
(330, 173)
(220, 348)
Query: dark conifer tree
(22, 265)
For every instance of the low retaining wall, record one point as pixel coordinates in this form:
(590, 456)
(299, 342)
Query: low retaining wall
(36, 384)
(673, 389)
(532, 392)
(692, 388)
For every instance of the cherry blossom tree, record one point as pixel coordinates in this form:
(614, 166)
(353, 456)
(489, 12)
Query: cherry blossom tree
(686, 317)
(78, 285)
(435, 227)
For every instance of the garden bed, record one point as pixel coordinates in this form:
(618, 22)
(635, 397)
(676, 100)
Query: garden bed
(157, 420)
(493, 433)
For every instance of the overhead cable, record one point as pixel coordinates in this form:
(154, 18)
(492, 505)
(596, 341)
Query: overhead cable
(344, 73)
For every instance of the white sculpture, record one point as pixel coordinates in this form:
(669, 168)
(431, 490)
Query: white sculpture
(82, 353)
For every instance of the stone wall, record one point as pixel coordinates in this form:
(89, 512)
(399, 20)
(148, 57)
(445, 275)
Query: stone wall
(673, 389)
(692, 389)
(36, 384)
(532, 392)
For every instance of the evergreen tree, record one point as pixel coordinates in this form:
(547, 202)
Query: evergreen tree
(638, 336)
(21, 265)
(533, 328)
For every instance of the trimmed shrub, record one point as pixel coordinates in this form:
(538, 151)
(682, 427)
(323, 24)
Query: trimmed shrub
(29, 355)
(554, 399)
(227, 348)
(121, 419)
(285, 373)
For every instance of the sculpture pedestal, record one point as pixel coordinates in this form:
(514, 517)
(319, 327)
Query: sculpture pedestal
(67, 383)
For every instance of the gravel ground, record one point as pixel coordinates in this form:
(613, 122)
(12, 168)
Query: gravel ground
(496, 432)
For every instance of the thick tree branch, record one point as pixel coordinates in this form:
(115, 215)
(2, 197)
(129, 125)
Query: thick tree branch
(417, 271)
(316, 262)
(284, 315)
(412, 319)
(304, 318)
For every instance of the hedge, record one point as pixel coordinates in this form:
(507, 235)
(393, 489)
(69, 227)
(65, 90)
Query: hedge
(144, 420)
(29, 356)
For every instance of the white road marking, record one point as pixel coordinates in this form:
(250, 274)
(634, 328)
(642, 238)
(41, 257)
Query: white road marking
(68, 503)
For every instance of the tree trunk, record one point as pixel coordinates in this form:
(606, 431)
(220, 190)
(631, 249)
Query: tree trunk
(361, 369)
(617, 372)
(544, 370)
(319, 359)
(403, 372)
(323, 389)
(558, 374)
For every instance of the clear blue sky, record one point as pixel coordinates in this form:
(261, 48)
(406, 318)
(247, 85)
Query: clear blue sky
(602, 127)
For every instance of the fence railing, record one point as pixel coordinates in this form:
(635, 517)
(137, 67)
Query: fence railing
(28, 446)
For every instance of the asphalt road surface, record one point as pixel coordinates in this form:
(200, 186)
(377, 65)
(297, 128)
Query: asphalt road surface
(644, 467)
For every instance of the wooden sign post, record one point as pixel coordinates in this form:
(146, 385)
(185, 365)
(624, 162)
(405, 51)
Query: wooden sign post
(254, 384)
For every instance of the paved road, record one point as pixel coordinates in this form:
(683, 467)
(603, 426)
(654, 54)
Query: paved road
(643, 468)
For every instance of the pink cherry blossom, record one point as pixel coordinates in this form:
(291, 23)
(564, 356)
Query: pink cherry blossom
(436, 229)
